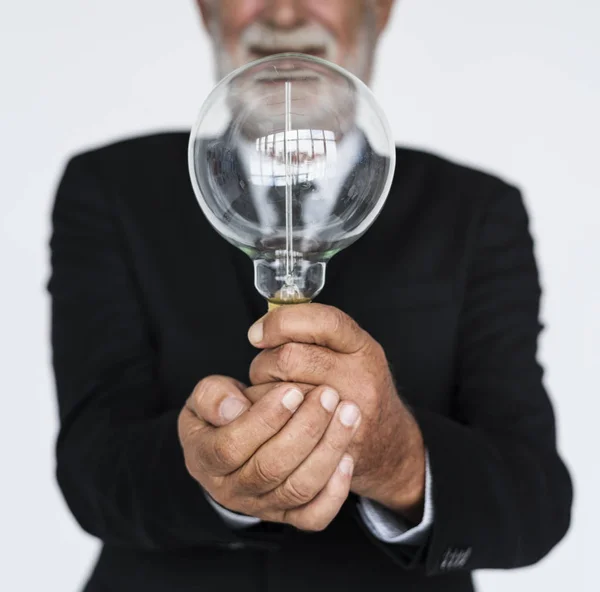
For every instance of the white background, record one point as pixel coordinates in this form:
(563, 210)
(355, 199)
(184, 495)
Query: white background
(512, 86)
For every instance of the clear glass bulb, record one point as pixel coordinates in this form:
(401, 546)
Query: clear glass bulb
(291, 160)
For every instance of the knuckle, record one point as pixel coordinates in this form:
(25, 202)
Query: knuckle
(269, 422)
(260, 369)
(338, 445)
(264, 473)
(295, 494)
(370, 392)
(225, 453)
(204, 388)
(187, 429)
(374, 349)
(196, 460)
(345, 325)
(337, 319)
(287, 358)
(310, 429)
(194, 464)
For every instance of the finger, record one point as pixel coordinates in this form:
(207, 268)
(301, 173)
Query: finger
(231, 446)
(294, 362)
(218, 400)
(282, 454)
(257, 392)
(318, 514)
(193, 433)
(318, 324)
(189, 427)
(312, 475)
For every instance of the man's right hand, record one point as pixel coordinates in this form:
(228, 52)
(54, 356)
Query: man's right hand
(281, 459)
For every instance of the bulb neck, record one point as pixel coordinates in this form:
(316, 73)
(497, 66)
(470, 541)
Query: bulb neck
(305, 280)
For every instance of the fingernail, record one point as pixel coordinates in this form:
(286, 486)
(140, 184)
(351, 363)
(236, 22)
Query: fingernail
(349, 414)
(292, 399)
(346, 465)
(231, 408)
(255, 333)
(329, 399)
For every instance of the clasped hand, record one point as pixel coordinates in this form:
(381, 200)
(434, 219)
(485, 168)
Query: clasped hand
(321, 418)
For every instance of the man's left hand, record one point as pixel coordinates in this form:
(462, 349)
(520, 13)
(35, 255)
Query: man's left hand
(318, 345)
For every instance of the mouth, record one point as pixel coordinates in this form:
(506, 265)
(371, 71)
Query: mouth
(259, 52)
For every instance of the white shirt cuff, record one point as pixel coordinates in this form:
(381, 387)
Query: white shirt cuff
(388, 527)
(233, 520)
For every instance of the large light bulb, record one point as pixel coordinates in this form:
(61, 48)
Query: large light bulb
(291, 160)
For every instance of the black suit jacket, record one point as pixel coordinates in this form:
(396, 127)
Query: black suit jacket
(147, 299)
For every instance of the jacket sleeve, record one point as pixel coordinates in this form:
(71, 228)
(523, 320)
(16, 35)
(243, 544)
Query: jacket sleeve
(119, 462)
(501, 493)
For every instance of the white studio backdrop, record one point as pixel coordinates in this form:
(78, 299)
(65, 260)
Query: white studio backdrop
(510, 86)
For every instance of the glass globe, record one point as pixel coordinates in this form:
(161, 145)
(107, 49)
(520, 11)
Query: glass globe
(291, 160)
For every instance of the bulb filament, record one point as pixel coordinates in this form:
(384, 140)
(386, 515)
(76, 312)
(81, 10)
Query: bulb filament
(289, 221)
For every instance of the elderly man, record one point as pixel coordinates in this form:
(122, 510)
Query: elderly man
(394, 435)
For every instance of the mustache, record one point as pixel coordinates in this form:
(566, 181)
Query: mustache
(263, 40)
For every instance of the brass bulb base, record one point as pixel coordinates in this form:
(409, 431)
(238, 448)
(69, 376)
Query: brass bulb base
(273, 304)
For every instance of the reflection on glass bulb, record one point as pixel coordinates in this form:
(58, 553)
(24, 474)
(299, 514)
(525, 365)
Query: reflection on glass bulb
(291, 160)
